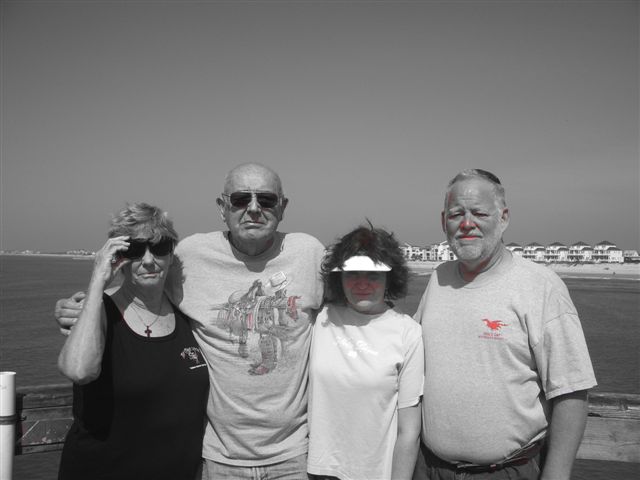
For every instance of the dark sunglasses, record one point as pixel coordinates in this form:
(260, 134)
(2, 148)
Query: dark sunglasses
(137, 248)
(243, 199)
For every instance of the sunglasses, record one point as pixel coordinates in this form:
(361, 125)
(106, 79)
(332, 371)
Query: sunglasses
(137, 248)
(243, 199)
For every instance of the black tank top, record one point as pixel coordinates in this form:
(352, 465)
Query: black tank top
(144, 416)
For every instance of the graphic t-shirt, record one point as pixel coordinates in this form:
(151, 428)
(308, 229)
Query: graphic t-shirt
(252, 322)
(363, 369)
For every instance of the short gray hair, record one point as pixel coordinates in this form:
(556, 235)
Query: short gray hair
(479, 173)
(141, 220)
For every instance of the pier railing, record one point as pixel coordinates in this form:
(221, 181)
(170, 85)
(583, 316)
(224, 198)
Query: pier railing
(613, 427)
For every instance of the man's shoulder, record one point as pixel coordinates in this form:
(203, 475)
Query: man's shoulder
(525, 268)
(193, 242)
(199, 237)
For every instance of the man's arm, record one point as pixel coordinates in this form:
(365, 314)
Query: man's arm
(405, 451)
(68, 310)
(568, 421)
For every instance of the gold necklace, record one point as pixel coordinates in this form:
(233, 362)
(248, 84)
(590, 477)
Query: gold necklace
(147, 330)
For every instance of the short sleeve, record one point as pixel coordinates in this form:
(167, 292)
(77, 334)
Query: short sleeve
(411, 378)
(562, 356)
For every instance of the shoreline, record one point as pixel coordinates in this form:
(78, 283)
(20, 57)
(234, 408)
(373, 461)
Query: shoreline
(62, 255)
(619, 271)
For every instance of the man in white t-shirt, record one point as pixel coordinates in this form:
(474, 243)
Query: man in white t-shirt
(506, 364)
(252, 292)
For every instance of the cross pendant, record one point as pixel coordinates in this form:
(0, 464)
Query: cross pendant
(148, 332)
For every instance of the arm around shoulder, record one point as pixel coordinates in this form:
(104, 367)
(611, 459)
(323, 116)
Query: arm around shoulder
(67, 311)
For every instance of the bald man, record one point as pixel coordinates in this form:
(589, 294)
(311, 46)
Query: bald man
(251, 292)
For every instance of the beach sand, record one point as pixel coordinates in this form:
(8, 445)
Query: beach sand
(594, 270)
(598, 270)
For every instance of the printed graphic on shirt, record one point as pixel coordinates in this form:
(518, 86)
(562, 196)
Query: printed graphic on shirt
(265, 311)
(493, 328)
(194, 357)
(354, 348)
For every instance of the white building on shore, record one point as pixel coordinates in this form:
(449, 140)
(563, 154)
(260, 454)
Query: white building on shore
(631, 256)
(556, 252)
(441, 252)
(515, 248)
(607, 252)
(534, 252)
(414, 253)
(436, 252)
(580, 252)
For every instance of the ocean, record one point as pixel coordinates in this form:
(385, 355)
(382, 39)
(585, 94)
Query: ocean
(30, 342)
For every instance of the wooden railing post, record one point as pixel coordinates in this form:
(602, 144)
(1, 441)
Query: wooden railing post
(44, 417)
(613, 428)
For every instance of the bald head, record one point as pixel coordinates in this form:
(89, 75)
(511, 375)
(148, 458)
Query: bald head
(252, 221)
(248, 171)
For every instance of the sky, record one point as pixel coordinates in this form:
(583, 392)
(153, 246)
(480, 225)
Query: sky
(366, 109)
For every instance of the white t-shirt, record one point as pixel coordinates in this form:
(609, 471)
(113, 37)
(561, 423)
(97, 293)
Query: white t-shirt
(363, 369)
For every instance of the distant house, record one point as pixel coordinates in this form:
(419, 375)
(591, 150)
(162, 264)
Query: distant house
(436, 252)
(607, 252)
(515, 248)
(443, 252)
(556, 252)
(432, 252)
(604, 252)
(631, 256)
(534, 252)
(413, 253)
(580, 252)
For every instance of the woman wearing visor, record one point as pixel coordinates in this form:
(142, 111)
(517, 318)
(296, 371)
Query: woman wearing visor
(367, 365)
(140, 381)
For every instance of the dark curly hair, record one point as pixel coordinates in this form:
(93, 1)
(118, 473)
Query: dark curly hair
(377, 244)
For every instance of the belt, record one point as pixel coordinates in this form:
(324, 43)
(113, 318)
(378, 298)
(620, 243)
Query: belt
(520, 457)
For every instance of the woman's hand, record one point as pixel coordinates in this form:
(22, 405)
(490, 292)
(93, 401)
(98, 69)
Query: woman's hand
(80, 359)
(108, 261)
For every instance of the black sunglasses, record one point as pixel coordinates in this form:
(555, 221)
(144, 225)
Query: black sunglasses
(243, 199)
(137, 248)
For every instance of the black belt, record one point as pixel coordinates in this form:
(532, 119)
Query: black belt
(521, 457)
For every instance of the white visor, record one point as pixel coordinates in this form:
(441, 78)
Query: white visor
(362, 263)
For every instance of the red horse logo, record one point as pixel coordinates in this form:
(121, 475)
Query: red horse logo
(494, 324)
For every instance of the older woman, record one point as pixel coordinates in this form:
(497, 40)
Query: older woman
(140, 381)
(367, 366)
